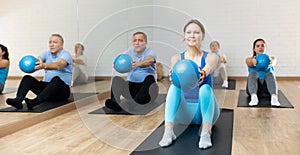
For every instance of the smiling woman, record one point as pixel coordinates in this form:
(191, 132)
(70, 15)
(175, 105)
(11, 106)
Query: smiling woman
(205, 108)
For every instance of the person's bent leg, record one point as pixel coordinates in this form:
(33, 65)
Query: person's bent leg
(223, 73)
(148, 91)
(272, 88)
(55, 90)
(210, 112)
(27, 83)
(119, 86)
(171, 107)
(252, 87)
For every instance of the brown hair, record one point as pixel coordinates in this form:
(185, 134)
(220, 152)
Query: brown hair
(6, 54)
(77, 45)
(195, 21)
(254, 43)
(213, 43)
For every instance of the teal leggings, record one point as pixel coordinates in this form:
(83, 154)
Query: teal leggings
(205, 111)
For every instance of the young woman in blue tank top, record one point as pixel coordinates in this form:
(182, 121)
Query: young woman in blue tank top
(4, 66)
(261, 83)
(197, 106)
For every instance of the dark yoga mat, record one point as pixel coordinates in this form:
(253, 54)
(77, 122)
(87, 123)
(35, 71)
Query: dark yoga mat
(231, 85)
(187, 142)
(9, 90)
(161, 98)
(45, 106)
(244, 100)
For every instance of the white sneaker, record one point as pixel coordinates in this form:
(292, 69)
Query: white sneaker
(225, 84)
(274, 101)
(254, 100)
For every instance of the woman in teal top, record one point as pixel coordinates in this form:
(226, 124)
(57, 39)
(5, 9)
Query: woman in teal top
(261, 83)
(199, 105)
(4, 66)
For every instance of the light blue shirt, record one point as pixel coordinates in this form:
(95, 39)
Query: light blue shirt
(3, 75)
(139, 74)
(65, 74)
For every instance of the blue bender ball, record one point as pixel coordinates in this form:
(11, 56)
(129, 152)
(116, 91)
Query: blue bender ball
(123, 63)
(185, 74)
(263, 61)
(27, 63)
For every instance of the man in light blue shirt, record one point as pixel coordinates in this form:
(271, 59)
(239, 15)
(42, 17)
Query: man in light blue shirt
(141, 86)
(57, 64)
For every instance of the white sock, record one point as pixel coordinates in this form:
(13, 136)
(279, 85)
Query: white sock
(205, 141)
(274, 101)
(168, 137)
(254, 100)
(225, 84)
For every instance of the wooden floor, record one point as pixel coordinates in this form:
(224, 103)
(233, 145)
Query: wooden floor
(255, 131)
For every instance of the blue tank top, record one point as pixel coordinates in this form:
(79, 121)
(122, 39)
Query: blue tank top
(192, 95)
(3, 75)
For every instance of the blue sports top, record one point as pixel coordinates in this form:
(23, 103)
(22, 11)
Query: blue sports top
(3, 75)
(193, 94)
(65, 74)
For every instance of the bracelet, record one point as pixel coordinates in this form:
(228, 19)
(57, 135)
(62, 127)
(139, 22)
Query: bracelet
(44, 66)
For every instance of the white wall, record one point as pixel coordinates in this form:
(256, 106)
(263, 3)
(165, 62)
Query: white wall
(236, 24)
(105, 27)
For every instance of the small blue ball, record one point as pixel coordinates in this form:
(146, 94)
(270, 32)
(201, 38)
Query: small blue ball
(185, 74)
(123, 63)
(27, 63)
(263, 61)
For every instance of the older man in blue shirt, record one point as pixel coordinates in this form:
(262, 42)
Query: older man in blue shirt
(57, 64)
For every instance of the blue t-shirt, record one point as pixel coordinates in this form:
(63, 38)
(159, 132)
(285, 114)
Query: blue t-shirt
(193, 95)
(65, 74)
(139, 74)
(261, 73)
(3, 75)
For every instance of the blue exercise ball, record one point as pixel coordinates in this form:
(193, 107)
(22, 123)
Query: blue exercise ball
(123, 63)
(27, 63)
(185, 74)
(263, 61)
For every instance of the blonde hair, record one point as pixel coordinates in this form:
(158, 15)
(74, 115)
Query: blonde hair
(214, 42)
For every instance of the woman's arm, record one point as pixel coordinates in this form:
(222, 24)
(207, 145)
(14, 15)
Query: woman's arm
(251, 61)
(4, 63)
(273, 61)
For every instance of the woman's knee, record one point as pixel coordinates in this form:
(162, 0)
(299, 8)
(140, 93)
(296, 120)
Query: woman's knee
(205, 89)
(270, 75)
(253, 74)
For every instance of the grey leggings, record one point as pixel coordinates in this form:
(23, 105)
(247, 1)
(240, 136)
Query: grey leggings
(263, 88)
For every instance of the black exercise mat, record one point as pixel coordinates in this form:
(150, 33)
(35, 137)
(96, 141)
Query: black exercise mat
(161, 98)
(187, 142)
(9, 90)
(244, 100)
(231, 85)
(45, 106)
